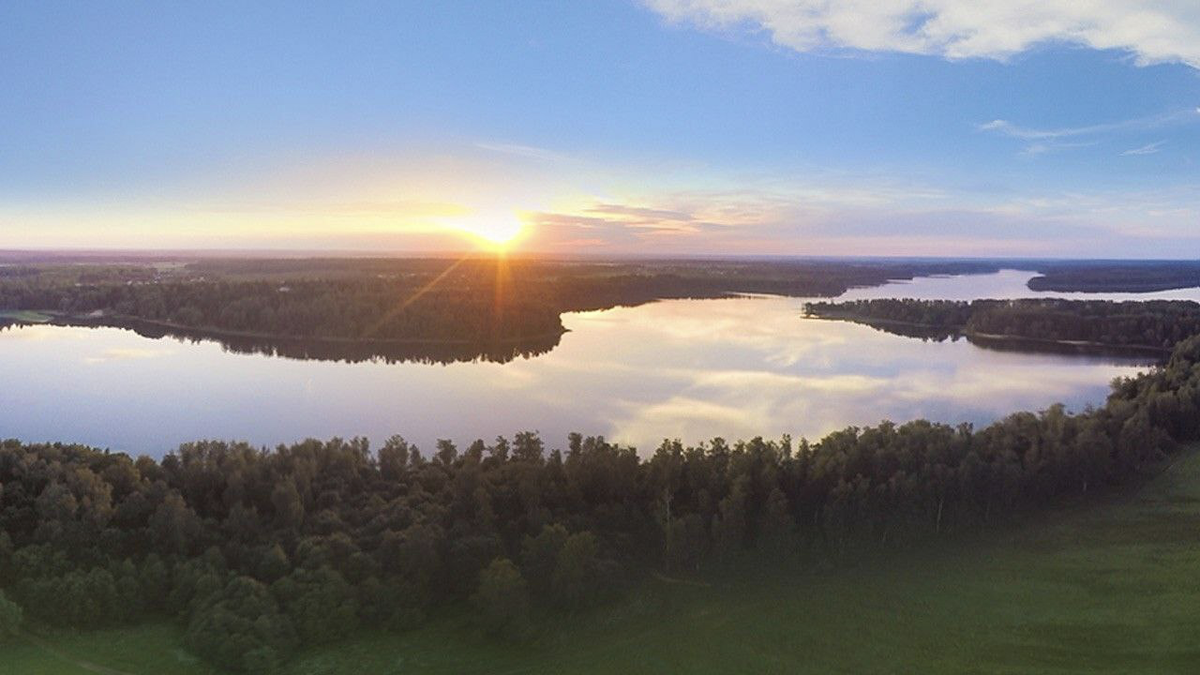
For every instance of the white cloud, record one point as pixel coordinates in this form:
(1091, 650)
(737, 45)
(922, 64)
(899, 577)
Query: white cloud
(1153, 31)
(527, 151)
(1042, 141)
(1148, 149)
(1137, 124)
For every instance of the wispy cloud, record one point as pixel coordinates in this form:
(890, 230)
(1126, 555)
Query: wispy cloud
(1045, 140)
(1007, 128)
(800, 217)
(1153, 31)
(1148, 149)
(526, 151)
(1045, 147)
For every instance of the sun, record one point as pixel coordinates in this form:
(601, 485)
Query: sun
(496, 231)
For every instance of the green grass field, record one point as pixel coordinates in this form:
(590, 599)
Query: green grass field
(1112, 587)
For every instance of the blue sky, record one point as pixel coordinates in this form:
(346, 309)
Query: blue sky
(1055, 128)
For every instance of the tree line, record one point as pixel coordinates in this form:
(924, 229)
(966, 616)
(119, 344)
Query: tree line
(259, 551)
(1127, 276)
(1158, 324)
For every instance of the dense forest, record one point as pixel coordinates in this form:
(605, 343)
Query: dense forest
(1125, 276)
(257, 552)
(1158, 324)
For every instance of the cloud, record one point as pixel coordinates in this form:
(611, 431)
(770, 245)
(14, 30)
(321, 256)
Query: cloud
(641, 213)
(1043, 141)
(1148, 149)
(612, 224)
(1006, 128)
(526, 151)
(860, 214)
(1153, 31)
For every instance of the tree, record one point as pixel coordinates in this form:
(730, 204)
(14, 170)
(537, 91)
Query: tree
(11, 617)
(575, 582)
(539, 556)
(175, 526)
(321, 605)
(729, 525)
(289, 510)
(393, 458)
(241, 628)
(502, 600)
(273, 563)
(777, 532)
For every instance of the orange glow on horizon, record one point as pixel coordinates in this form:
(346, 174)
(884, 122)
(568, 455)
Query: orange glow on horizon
(495, 232)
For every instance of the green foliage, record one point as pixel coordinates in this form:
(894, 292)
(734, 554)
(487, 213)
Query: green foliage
(502, 600)
(11, 618)
(539, 556)
(241, 628)
(576, 581)
(1109, 588)
(322, 606)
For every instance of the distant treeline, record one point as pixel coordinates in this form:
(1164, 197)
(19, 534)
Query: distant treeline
(1140, 276)
(258, 552)
(1158, 324)
(366, 309)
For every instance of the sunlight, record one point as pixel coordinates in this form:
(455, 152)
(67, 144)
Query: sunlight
(497, 231)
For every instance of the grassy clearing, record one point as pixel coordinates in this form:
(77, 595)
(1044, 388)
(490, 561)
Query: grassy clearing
(1108, 588)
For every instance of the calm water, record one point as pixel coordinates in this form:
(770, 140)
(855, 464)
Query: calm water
(691, 369)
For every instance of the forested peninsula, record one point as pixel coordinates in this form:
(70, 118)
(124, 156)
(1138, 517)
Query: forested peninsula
(1156, 325)
(259, 552)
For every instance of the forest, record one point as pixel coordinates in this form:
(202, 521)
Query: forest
(1124, 276)
(257, 552)
(1156, 324)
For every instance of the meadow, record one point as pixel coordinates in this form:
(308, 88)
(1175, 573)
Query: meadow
(1107, 585)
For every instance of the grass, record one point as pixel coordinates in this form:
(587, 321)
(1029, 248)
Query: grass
(1111, 587)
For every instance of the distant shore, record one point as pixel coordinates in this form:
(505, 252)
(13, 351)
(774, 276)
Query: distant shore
(993, 339)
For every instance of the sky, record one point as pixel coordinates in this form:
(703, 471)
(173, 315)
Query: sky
(1047, 128)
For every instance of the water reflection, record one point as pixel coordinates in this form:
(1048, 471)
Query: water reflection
(742, 367)
(376, 351)
(383, 351)
(1004, 285)
(691, 369)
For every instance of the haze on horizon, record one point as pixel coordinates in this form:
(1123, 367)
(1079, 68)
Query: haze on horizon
(926, 127)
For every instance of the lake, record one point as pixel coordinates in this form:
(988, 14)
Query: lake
(688, 369)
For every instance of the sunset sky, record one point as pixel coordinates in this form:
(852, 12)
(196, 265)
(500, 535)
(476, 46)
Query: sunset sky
(905, 127)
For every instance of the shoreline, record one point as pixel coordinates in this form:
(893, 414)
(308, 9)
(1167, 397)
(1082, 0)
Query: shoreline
(133, 323)
(988, 337)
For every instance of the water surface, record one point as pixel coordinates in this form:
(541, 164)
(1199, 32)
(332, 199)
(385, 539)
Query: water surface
(688, 369)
